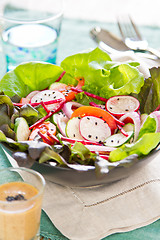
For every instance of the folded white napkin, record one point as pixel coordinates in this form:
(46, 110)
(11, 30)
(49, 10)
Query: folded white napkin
(95, 212)
(145, 62)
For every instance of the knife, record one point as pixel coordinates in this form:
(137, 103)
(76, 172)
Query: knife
(111, 43)
(104, 37)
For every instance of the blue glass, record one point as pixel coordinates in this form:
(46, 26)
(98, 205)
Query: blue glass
(29, 42)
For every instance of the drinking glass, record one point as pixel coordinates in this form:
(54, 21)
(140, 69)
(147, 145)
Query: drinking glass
(21, 193)
(30, 30)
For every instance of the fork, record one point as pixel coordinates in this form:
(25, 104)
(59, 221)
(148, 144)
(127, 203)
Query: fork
(132, 37)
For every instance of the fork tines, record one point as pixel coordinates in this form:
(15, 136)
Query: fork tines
(128, 28)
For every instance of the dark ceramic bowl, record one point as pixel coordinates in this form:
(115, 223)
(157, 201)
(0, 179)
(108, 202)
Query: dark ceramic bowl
(75, 178)
(89, 177)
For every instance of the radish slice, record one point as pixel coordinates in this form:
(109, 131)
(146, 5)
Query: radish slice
(156, 116)
(47, 95)
(94, 129)
(61, 123)
(67, 108)
(136, 120)
(57, 86)
(120, 105)
(100, 149)
(72, 129)
(32, 94)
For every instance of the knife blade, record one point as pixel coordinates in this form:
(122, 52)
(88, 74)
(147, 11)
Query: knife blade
(101, 35)
(111, 43)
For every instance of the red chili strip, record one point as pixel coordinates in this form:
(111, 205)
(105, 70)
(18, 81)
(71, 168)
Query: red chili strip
(89, 94)
(106, 157)
(37, 103)
(48, 115)
(18, 104)
(122, 131)
(44, 106)
(53, 137)
(44, 138)
(93, 104)
(119, 123)
(47, 102)
(84, 142)
(60, 77)
(157, 108)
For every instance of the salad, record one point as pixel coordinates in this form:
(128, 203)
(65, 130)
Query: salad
(87, 112)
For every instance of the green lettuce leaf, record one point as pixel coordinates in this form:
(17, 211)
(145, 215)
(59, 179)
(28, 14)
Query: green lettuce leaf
(28, 77)
(2, 136)
(142, 147)
(102, 76)
(80, 150)
(149, 126)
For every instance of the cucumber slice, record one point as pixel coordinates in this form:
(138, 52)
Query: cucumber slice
(21, 129)
(143, 118)
(117, 139)
(128, 127)
(54, 117)
(72, 129)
